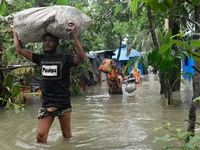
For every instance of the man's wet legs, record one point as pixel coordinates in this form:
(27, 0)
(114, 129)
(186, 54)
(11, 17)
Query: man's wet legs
(44, 125)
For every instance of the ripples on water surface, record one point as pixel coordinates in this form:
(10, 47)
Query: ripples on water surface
(101, 121)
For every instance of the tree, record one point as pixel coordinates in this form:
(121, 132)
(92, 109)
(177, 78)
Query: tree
(178, 11)
(196, 81)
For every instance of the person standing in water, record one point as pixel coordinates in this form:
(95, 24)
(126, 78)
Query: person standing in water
(55, 69)
(113, 79)
(136, 74)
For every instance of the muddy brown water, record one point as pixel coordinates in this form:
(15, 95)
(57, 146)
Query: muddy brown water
(100, 121)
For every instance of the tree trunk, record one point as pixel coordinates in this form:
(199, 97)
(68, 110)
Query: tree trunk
(155, 41)
(151, 26)
(175, 26)
(2, 88)
(196, 82)
(120, 46)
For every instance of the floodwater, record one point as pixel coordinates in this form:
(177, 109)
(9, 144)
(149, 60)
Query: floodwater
(102, 122)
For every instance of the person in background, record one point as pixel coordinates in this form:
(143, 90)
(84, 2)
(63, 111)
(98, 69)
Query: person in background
(125, 72)
(136, 74)
(113, 84)
(123, 66)
(55, 70)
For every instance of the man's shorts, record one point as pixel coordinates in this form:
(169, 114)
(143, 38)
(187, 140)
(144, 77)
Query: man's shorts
(58, 112)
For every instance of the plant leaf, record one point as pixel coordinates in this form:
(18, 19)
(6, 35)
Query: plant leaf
(62, 2)
(9, 81)
(164, 138)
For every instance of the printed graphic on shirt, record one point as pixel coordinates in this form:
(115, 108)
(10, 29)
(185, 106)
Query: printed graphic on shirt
(51, 71)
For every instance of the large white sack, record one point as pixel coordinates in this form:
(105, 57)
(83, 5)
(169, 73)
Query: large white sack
(31, 24)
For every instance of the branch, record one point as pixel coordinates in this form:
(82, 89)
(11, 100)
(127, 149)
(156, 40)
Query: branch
(190, 2)
(190, 20)
(192, 121)
(195, 68)
(193, 54)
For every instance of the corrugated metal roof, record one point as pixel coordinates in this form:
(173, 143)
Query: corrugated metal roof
(97, 52)
(123, 56)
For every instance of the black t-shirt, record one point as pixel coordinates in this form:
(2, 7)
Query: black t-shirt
(55, 84)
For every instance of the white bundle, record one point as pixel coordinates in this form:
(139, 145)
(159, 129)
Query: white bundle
(31, 24)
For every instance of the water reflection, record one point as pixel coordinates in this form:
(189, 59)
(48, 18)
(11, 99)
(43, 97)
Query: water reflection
(101, 121)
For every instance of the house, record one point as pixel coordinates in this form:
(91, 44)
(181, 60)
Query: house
(187, 64)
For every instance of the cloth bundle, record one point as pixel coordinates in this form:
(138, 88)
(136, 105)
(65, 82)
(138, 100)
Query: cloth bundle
(105, 66)
(31, 24)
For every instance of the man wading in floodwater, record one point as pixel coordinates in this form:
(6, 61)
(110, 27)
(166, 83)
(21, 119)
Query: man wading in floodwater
(55, 69)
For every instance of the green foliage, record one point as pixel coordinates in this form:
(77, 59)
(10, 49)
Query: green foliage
(187, 45)
(130, 63)
(77, 79)
(62, 2)
(105, 30)
(124, 6)
(14, 83)
(182, 140)
(11, 92)
(165, 60)
(196, 99)
(166, 64)
(3, 7)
